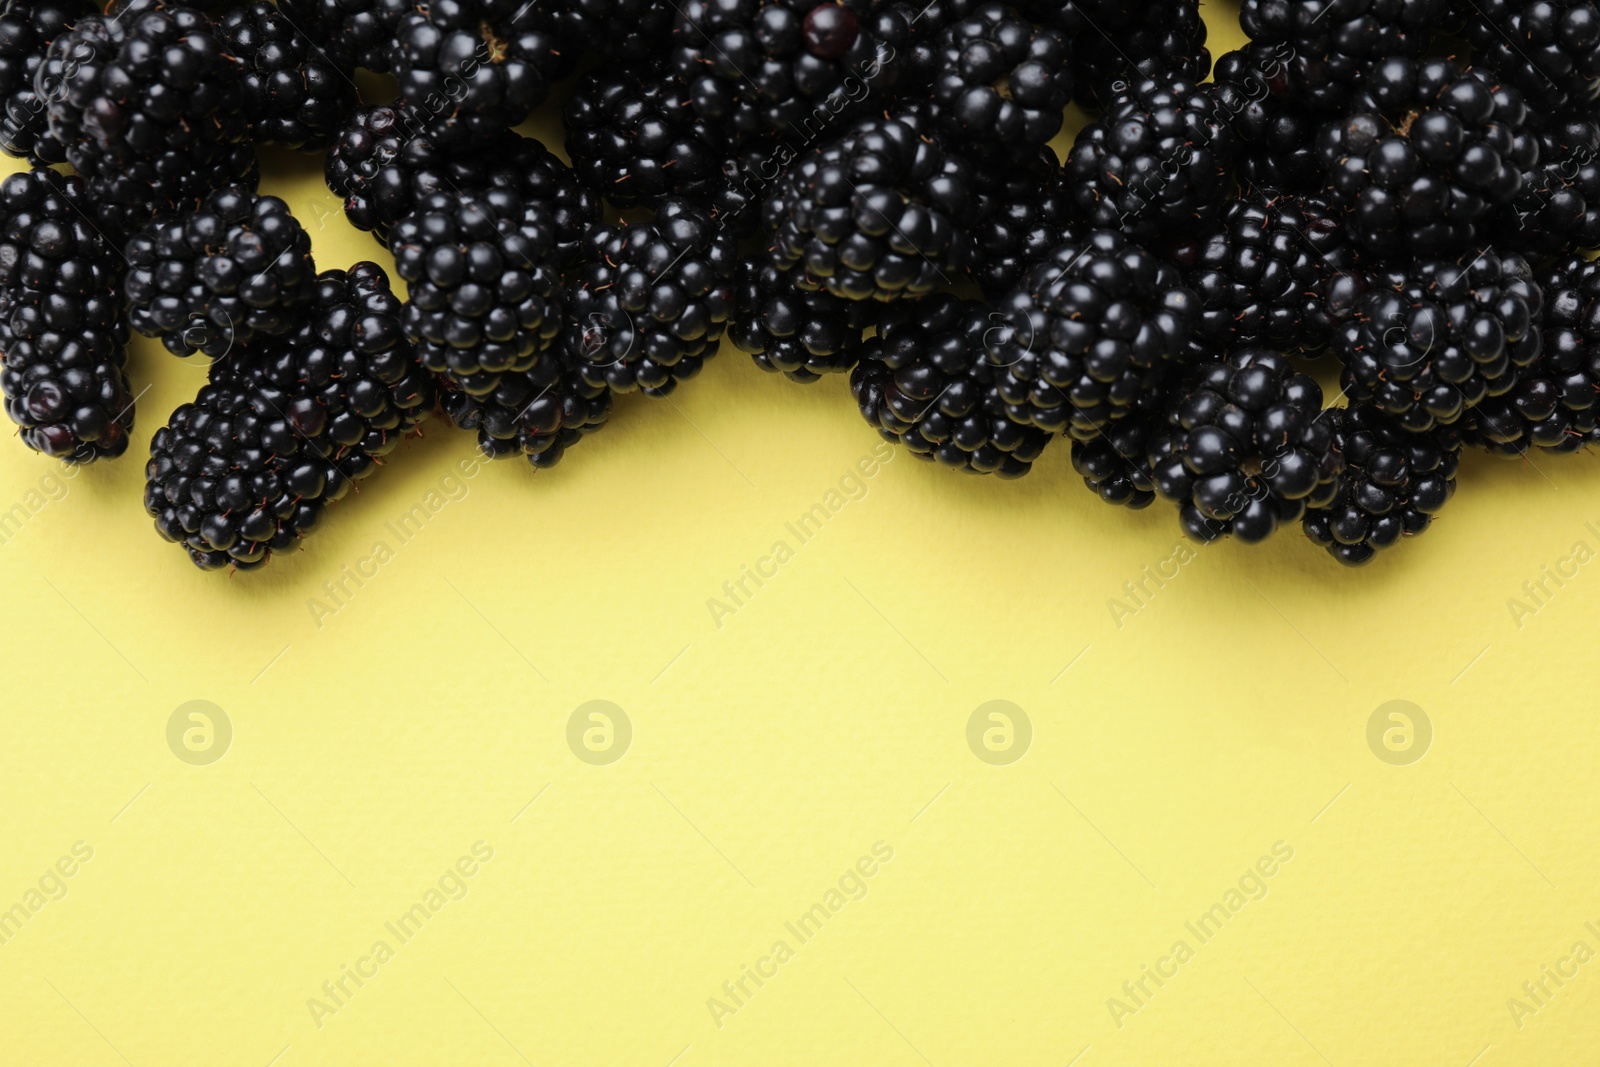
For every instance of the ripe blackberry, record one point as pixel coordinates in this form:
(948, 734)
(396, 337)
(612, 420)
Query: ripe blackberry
(293, 94)
(648, 303)
(623, 31)
(635, 139)
(925, 382)
(353, 32)
(878, 214)
(26, 29)
(1556, 400)
(1116, 44)
(62, 338)
(763, 66)
(1428, 154)
(1330, 45)
(538, 413)
(1273, 271)
(1393, 483)
(1001, 78)
(1089, 330)
(482, 65)
(149, 107)
(1548, 49)
(1160, 159)
(804, 335)
(1115, 463)
(1559, 207)
(485, 290)
(248, 467)
(1246, 448)
(1430, 343)
(237, 269)
(1022, 212)
(1277, 134)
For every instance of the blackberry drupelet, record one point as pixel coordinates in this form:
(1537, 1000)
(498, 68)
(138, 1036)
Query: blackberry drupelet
(62, 338)
(1548, 49)
(804, 335)
(249, 466)
(1393, 483)
(149, 107)
(481, 65)
(1090, 329)
(1430, 152)
(925, 382)
(1115, 463)
(1160, 159)
(759, 67)
(293, 94)
(237, 269)
(1556, 400)
(1274, 271)
(879, 214)
(1559, 207)
(1330, 46)
(1277, 134)
(26, 29)
(485, 288)
(648, 303)
(537, 413)
(1246, 448)
(1427, 344)
(1001, 79)
(353, 32)
(1116, 44)
(635, 139)
(1022, 211)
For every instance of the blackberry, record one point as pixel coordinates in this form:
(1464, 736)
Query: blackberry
(353, 32)
(149, 107)
(1246, 448)
(878, 214)
(1022, 212)
(483, 65)
(1116, 44)
(1559, 208)
(1274, 271)
(1428, 154)
(1115, 463)
(485, 290)
(1393, 483)
(649, 303)
(1090, 329)
(762, 66)
(248, 468)
(1555, 403)
(624, 31)
(237, 269)
(1160, 159)
(538, 413)
(26, 29)
(925, 382)
(635, 139)
(62, 338)
(1548, 49)
(293, 94)
(1426, 345)
(1330, 45)
(1001, 79)
(1277, 134)
(804, 335)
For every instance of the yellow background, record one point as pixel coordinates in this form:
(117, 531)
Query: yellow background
(829, 713)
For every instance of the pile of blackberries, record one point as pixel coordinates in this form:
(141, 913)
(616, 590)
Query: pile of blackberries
(838, 187)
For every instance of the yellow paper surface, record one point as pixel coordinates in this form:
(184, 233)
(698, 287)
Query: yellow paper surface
(392, 724)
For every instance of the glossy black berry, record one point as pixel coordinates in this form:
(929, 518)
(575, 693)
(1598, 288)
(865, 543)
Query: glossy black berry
(1001, 79)
(26, 29)
(1548, 49)
(802, 334)
(1330, 45)
(294, 95)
